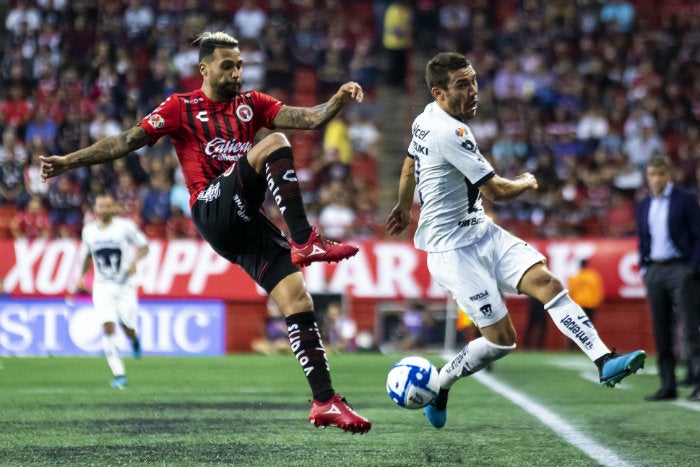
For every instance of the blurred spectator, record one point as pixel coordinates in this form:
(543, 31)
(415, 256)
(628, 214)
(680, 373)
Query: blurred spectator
(155, 209)
(43, 127)
(418, 328)
(13, 147)
(618, 15)
(103, 125)
(128, 196)
(12, 182)
(536, 328)
(591, 129)
(586, 288)
(249, 21)
(337, 141)
(23, 15)
(454, 19)
(16, 109)
(336, 218)
(278, 63)
(179, 195)
(340, 328)
(642, 145)
(397, 39)
(138, 20)
(180, 225)
(65, 203)
(274, 337)
(33, 222)
(362, 131)
(254, 59)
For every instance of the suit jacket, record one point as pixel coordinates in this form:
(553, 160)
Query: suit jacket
(683, 226)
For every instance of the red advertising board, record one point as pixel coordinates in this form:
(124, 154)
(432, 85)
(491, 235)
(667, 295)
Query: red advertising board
(382, 269)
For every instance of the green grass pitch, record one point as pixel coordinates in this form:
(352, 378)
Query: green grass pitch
(250, 410)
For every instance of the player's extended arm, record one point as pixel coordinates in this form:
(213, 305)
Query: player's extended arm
(400, 215)
(104, 150)
(502, 189)
(311, 118)
(140, 254)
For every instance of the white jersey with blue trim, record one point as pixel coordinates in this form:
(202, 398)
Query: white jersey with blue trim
(449, 171)
(112, 248)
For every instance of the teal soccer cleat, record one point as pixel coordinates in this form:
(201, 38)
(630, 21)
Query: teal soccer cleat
(616, 367)
(118, 382)
(436, 417)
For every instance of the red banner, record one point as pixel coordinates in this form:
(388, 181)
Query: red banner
(391, 270)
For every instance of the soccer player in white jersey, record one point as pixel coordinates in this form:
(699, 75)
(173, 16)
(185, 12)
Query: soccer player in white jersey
(469, 255)
(114, 245)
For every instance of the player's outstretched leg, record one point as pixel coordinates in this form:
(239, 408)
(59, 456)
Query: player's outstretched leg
(474, 356)
(318, 248)
(328, 408)
(573, 322)
(614, 367)
(336, 412)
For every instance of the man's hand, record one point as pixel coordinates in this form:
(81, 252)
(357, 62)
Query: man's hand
(529, 180)
(52, 166)
(398, 220)
(350, 91)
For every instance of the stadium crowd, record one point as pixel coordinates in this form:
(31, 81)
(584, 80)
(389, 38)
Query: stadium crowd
(580, 93)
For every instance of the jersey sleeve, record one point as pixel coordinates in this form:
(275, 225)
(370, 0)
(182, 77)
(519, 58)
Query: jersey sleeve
(460, 150)
(163, 120)
(266, 108)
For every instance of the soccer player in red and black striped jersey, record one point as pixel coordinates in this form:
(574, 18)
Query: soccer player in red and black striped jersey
(213, 131)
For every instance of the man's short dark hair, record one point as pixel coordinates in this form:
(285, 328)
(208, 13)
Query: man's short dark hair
(659, 161)
(210, 41)
(438, 68)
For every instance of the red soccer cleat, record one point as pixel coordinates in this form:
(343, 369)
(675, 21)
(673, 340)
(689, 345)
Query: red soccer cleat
(336, 412)
(318, 248)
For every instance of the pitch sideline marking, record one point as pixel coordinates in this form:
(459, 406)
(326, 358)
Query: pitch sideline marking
(687, 405)
(561, 428)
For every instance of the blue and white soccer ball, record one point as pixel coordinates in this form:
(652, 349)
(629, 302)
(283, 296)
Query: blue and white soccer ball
(413, 382)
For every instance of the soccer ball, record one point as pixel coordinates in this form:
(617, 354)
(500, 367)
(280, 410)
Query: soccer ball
(413, 382)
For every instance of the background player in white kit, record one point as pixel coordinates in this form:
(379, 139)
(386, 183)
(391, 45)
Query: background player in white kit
(469, 255)
(114, 245)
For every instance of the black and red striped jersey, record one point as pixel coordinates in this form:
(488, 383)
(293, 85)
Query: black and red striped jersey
(210, 136)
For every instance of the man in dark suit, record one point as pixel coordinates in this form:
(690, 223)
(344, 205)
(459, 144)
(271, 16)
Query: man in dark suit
(668, 225)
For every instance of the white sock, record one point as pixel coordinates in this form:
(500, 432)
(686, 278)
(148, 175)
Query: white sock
(109, 343)
(573, 322)
(472, 358)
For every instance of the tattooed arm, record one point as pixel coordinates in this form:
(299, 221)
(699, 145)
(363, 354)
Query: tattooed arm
(104, 150)
(311, 118)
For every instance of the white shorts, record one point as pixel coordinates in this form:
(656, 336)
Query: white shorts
(476, 275)
(115, 303)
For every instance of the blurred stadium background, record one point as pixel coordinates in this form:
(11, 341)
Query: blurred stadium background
(581, 93)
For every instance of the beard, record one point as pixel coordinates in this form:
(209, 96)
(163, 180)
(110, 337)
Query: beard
(228, 90)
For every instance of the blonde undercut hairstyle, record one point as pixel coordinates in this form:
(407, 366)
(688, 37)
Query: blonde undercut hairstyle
(210, 41)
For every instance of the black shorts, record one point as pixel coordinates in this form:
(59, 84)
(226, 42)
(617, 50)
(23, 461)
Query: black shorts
(228, 215)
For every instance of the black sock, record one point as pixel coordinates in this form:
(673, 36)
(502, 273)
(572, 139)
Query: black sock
(305, 340)
(600, 360)
(441, 399)
(284, 186)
